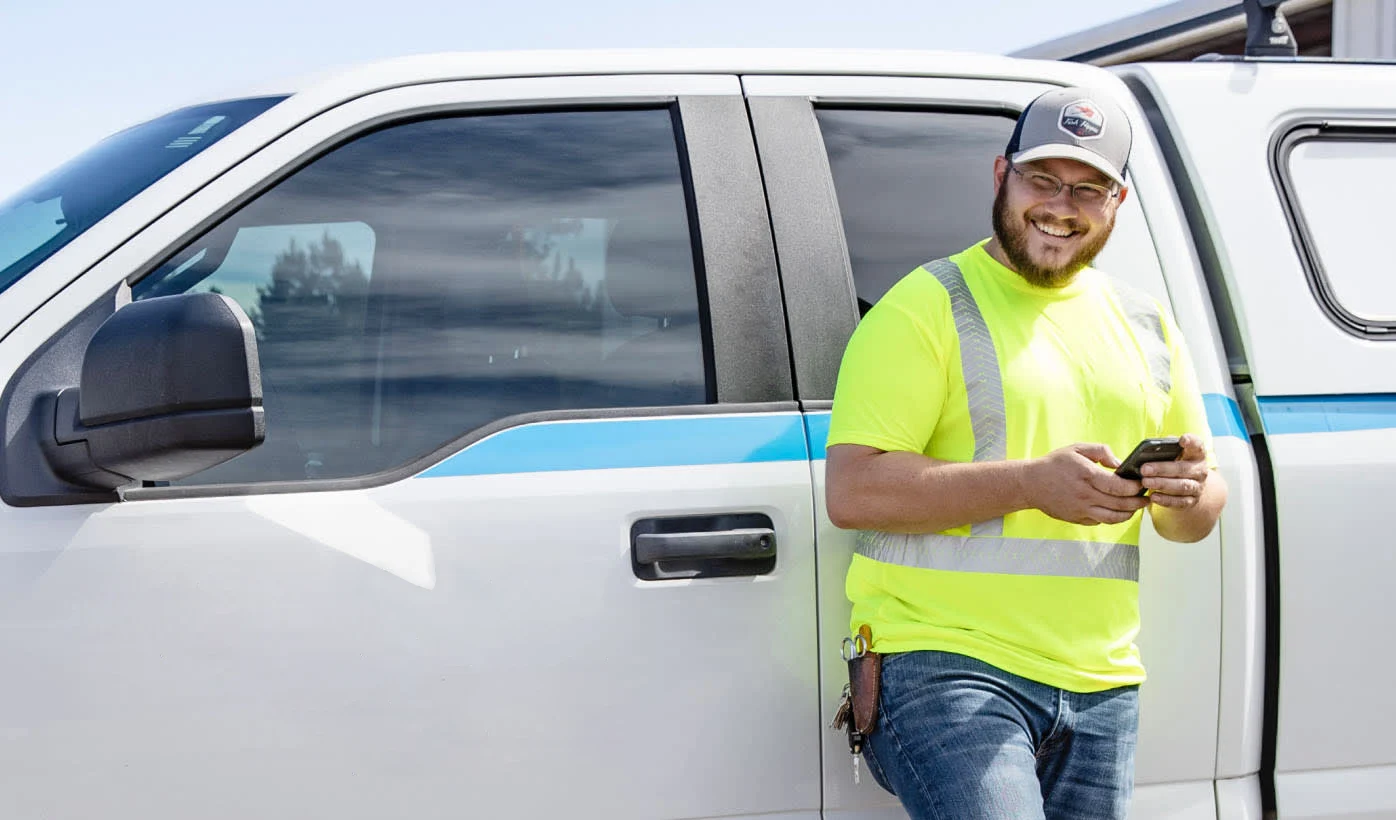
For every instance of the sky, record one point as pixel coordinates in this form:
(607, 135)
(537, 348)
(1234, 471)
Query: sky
(75, 71)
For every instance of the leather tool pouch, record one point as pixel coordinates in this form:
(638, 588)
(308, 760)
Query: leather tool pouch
(865, 685)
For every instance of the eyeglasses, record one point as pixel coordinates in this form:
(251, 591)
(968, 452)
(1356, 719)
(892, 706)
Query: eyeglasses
(1086, 194)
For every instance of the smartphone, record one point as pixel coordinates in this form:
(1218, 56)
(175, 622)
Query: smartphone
(1150, 449)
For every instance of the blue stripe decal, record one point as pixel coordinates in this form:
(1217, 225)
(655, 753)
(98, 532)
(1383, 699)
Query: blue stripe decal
(607, 444)
(817, 432)
(1326, 414)
(603, 444)
(1224, 416)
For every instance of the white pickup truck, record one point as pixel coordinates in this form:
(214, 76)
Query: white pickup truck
(446, 438)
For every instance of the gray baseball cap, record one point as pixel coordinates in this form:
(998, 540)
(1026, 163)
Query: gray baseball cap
(1074, 123)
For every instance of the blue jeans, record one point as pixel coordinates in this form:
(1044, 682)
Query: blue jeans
(958, 739)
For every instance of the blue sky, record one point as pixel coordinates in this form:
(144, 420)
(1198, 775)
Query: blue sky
(76, 70)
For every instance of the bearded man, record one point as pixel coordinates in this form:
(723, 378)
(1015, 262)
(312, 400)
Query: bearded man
(979, 410)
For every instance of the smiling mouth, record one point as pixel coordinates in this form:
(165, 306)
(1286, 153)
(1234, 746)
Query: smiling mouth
(1054, 231)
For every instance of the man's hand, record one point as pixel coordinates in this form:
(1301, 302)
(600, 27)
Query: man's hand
(1069, 485)
(1178, 484)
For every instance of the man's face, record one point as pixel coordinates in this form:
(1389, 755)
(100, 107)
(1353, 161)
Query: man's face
(1049, 238)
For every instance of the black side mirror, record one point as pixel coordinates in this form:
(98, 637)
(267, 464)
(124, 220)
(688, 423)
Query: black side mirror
(170, 386)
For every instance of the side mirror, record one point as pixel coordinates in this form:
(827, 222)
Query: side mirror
(170, 386)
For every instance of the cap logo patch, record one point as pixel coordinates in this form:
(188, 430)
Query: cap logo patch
(1082, 119)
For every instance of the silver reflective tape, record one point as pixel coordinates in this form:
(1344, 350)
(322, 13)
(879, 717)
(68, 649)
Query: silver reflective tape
(1003, 556)
(983, 381)
(1143, 315)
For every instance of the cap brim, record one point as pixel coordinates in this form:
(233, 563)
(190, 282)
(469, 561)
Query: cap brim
(1074, 152)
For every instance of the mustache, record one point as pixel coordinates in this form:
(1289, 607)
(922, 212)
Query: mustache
(1068, 223)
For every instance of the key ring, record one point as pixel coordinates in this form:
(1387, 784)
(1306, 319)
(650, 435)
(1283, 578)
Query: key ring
(854, 647)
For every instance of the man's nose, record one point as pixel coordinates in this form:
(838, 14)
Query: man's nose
(1063, 204)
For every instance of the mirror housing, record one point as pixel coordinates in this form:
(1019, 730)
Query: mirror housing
(169, 387)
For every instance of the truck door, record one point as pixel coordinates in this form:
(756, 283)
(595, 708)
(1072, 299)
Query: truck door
(508, 389)
(868, 177)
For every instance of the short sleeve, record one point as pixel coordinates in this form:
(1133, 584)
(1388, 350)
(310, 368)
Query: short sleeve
(893, 380)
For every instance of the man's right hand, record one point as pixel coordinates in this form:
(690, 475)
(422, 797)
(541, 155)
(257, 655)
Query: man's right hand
(1069, 485)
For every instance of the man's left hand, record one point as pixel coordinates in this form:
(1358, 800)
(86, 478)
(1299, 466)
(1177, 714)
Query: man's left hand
(1178, 484)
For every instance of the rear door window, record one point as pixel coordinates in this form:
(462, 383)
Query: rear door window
(916, 185)
(912, 186)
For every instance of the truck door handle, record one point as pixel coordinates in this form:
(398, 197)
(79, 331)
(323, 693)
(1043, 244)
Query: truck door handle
(703, 546)
(746, 543)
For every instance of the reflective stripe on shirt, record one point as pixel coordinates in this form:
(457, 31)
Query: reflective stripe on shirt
(983, 381)
(1003, 556)
(1147, 324)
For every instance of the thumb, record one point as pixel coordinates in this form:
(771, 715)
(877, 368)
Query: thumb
(1099, 453)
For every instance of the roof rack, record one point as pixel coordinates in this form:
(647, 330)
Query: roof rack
(1267, 31)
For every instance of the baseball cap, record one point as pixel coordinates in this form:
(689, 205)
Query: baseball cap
(1074, 123)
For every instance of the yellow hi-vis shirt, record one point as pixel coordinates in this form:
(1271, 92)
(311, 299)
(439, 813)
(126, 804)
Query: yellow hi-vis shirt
(964, 360)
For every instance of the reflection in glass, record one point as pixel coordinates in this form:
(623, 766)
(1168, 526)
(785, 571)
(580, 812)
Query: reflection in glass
(430, 278)
(912, 186)
(42, 219)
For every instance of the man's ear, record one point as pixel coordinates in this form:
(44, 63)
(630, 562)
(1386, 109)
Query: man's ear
(1124, 193)
(1001, 173)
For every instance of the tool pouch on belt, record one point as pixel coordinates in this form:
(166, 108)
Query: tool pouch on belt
(857, 712)
(865, 685)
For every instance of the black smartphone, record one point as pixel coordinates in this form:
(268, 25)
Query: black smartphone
(1150, 449)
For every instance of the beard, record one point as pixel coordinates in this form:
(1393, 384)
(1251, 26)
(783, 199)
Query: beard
(1014, 241)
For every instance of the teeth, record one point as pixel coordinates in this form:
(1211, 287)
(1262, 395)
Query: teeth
(1059, 232)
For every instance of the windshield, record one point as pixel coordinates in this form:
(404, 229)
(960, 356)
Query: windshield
(38, 221)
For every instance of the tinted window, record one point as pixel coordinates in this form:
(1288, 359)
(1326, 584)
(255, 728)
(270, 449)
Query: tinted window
(912, 186)
(1327, 178)
(433, 277)
(40, 220)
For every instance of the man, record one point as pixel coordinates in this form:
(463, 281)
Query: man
(979, 410)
